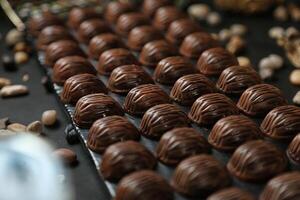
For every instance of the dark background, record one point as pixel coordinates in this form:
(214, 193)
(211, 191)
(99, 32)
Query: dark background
(87, 184)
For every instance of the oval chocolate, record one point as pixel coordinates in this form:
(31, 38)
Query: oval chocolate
(114, 9)
(149, 7)
(232, 193)
(293, 150)
(164, 16)
(78, 15)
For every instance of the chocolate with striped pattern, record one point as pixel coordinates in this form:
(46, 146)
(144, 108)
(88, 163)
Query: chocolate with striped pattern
(293, 150)
(149, 7)
(77, 15)
(114, 9)
(164, 16)
(232, 193)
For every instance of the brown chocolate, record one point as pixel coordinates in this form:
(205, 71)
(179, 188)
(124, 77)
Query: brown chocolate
(114, 9)
(199, 176)
(180, 143)
(213, 61)
(283, 187)
(209, 108)
(231, 193)
(110, 130)
(169, 69)
(259, 99)
(80, 85)
(78, 15)
(282, 122)
(189, 87)
(155, 51)
(149, 7)
(141, 35)
(69, 66)
(195, 44)
(256, 160)
(60, 49)
(94, 106)
(143, 97)
(126, 77)
(232, 131)
(103, 42)
(180, 28)
(164, 16)
(293, 150)
(123, 158)
(144, 184)
(113, 58)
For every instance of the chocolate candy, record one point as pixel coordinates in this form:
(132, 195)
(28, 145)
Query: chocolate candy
(103, 42)
(231, 193)
(285, 186)
(94, 106)
(143, 97)
(78, 15)
(90, 28)
(110, 130)
(161, 118)
(164, 16)
(126, 77)
(189, 87)
(141, 35)
(115, 9)
(214, 60)
(128, 21)
(149, 7)
(256, 160)
(232, 131)
(282, 122)
(259, 99)
(52, 34)
(155, 51)
(145, 185)
(180, 28)
(293, 150)
(209, 108)
(180, 143)
(60, 49)
(113, 58)
(236, 79)
(69, 66)
(80, 85)
(169, 69)
(199, 176)
(123, 158)
(195, 43)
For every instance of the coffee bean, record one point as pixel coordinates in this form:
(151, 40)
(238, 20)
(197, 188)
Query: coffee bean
(4, 122)
(295, 77)
(16, 127)
(296, 98)
(13, 37)
(244, 61)
(14, 90)
(72, 136)
(238, 29)
(68, 156)
(4, 82)
(21, 57)
(49, 117)
(199, 11)
(213, 19)
(35, 127)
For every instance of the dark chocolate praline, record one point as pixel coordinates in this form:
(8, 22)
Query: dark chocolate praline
(80, 85)
(195, 44)
(199, 176)
(69, 66)
(256, 161)
(144, 185)
(123, 158)
(113, 58)
(283, 187)
(180, 28)
(78, 15)
(209, 108)
(124, 78)
(149, 7)
(114, 9)
(236, 79)
(60, 49)
(169, 69)
(143, 97)
(293, 150)
(180, 143)
(189, 87)
(232, 193)
(214, 60)
(161, 118)
(155, 51)
(282, 123)
(95, 106)
(141, 35)
(259, 99)
(232, 131)
(103, 42)
(110, 130)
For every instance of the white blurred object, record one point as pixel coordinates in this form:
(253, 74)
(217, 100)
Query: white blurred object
(29, 171)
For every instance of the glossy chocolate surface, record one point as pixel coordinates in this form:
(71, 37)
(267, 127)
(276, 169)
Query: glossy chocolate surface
(123, 158)
(95, 106)
(164, 16)
(199, 176)
(231, 193)
(256, 160)
(126, 22)
(114, 9)
(143, 97)
(78, 15)
(189, 87)
(209, 108)
(149, 7)
(293, 150)
(161, 118)
(259, 99)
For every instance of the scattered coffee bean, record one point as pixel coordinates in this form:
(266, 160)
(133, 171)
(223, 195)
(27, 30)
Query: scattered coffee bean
(13, 37)
(13, 90)
(4, 82)
(266, 73)
(68, 156)
(35, 127)
(215, 36)
(21, 57)
(22, 46)
(294, 11)
(238, 29)
(71, 134)
(4, 122)
(225, 35)
(276, 32)
(236, 45)
(49, 117)
(296, 98)
(295, 77)
(244, 61)
(199, 11)
(8, 62)
(213, 19)
(25, 77)
(16, 127)
(47, 84)
(273, 62)
(281, 13)
(291, 32)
